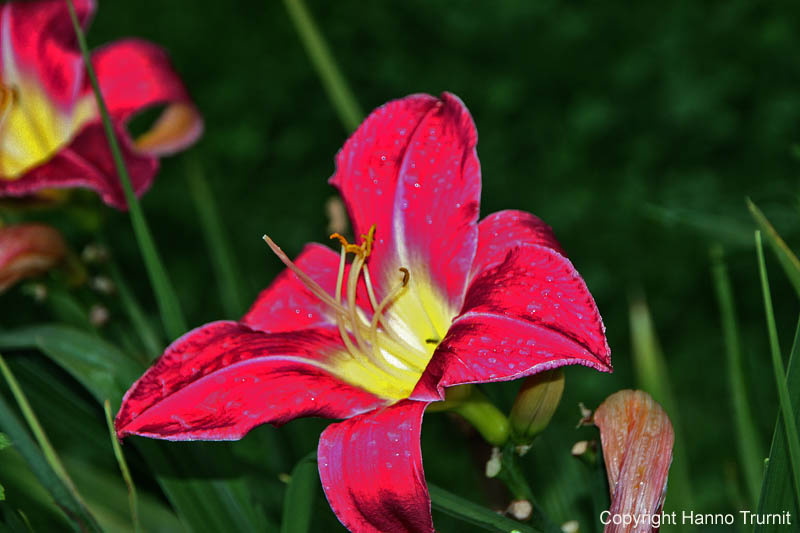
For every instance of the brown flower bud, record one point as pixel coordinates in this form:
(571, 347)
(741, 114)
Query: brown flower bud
(27, 250)
(536, 402)
(637, 441)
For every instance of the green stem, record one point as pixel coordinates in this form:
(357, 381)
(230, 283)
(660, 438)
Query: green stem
(780, 377)
(750, 453)
(479, 411)
(133, 501)
(511, 474)
(168, 304)
(465, 510)
(338, 91)
(228, 278)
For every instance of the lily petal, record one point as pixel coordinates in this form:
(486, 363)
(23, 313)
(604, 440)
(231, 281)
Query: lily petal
(134, 75)
(486, 347)
(219, 381)
(529, 313)
(287, 304)
(44, 42)
(411, 169)
(83, 164)
(371, 470)
(501, 231)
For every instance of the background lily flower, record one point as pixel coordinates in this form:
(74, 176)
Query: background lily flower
(637, 440)
(50, 130)
(432, 299)
(27, 250)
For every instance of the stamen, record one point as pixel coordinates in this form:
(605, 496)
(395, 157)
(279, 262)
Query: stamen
(312, 285)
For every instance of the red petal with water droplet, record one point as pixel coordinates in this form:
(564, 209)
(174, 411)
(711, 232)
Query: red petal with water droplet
(411, 169)
(221, 380)
(504, 230)
(528, 313)
(371, 470)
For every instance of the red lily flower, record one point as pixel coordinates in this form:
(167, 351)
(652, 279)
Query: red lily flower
(432, 299)
(50, 130)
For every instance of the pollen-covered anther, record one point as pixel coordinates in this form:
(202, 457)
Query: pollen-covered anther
(370, 341)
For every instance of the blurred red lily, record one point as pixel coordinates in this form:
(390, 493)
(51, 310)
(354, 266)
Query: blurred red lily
(637, 440)
(27, 250)
(432, 299)
(50, 130)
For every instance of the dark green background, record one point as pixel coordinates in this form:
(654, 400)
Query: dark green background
(635, 130)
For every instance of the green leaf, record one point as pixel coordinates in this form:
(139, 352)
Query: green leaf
(5, 442)
(475, 514)
(777, 494)
(789, 422)
(97, 365)
(168, 304)
(50, 474)
(203, 504)
(751, 454)
(299, 500)
(787, 258)
(653, 377)
(133, 500)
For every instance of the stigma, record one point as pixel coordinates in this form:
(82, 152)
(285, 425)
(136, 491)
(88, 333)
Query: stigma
(368, 336)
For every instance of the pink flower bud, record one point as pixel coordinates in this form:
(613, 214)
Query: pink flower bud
(637, 441)
(27, 250)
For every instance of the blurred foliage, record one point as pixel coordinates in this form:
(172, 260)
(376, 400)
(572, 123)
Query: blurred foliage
(635, 130)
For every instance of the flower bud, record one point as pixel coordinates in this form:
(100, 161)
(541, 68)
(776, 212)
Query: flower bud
(637, 440)
(27, 250)
(535, 404)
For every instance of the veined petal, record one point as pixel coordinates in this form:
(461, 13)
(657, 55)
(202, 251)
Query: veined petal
(637, 438)
(219, 381)
(486, 347)
(87, 162)
(133, 75)
(287, 304)
(371, 470)
(501, 231)
(412, 170)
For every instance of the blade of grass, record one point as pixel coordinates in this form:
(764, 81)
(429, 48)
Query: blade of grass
(43, 460)
(776, 490)
(792, 438)
(787, 258)
(150, 338)
(653, 377)
(168, 304)
(299, 500)
(751, 454)
(123, 467)
(231, 291)
(335, 85)
(472, 513)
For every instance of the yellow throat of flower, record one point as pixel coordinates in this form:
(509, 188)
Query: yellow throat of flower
(378, 357)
